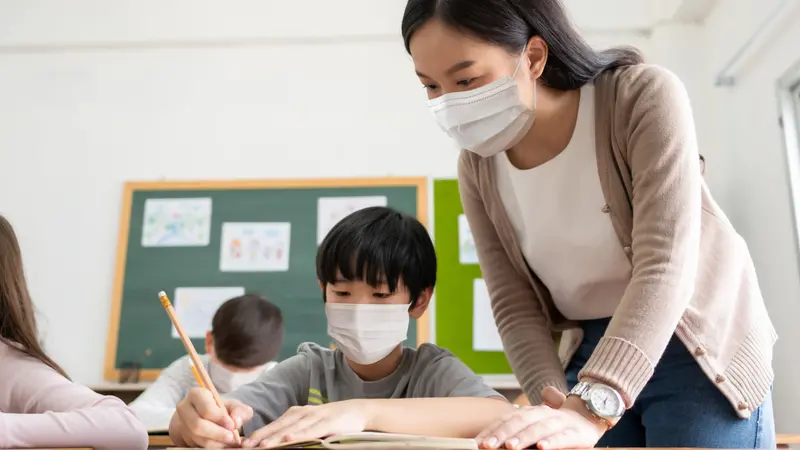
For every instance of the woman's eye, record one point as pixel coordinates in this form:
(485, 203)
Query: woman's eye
(430, 87)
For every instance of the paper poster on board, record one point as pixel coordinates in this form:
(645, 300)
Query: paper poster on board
(255, 247)
(330, 210)
(176, 222)
(195, 307)
(467, 254)
(485, 337)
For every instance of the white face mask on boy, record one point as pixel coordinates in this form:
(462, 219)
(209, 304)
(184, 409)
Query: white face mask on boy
(367, 333)
(486, 120)
(228, 381)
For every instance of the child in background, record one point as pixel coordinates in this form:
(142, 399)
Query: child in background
(245, 337)
(39, 405)
(377, 269)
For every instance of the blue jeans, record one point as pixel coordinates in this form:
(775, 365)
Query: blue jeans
(679, 407)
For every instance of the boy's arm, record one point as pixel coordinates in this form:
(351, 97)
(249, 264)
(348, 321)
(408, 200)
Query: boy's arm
(455, 402)
(274, 392)
(460, 417)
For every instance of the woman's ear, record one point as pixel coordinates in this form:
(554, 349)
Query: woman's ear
(536, 51)
(422, 303)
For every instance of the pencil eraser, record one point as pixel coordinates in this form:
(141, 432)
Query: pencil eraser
(162, 294)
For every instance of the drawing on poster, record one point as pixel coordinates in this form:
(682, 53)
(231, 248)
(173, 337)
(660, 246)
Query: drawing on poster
(176, 222)
(255, 247)
(195, 307)
(467, 254)
(485, 337)
(330, 210)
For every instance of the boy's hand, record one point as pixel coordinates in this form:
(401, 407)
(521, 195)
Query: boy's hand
(313, 422)
(199, 421)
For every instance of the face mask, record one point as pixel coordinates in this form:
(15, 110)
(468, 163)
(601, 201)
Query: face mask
(367, 333)
(226, 381)
(486, 120)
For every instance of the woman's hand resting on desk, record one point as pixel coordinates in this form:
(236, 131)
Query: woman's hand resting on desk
(557, 423)
(199, 422)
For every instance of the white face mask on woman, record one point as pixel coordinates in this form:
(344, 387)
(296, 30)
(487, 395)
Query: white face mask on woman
(487, 120)
(367, 333)
(228, 381)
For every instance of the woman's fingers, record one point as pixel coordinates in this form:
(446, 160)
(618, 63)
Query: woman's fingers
(567, 438)
(498, 435)
(535, 432)
(552, 397)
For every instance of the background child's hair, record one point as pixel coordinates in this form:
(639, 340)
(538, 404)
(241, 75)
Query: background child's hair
(379, 245)
(17, 314)
(247, 331)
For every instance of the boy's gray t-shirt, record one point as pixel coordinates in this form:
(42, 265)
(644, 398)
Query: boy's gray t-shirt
(318, 375)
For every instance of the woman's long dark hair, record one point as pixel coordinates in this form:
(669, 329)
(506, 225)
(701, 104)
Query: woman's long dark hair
(17, 315)
(571, 62)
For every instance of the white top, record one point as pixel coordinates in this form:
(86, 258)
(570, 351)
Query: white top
(562, 224)
(157, 404)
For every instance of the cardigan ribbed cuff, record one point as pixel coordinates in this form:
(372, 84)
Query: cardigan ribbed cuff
(534, 394)
(621, 365)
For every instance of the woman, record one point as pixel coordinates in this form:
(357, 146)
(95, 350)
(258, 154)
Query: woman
(39, 405)
(580, 181)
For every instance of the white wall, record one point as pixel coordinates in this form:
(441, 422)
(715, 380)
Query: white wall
(93, 95)
(745, 152)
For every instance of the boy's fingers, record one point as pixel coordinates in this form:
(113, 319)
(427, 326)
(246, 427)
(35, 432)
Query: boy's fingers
(239, 412)
(203, 402)
(276, 428)
(200, 430)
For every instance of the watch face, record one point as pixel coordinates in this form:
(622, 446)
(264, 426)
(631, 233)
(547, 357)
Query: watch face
(605, 401)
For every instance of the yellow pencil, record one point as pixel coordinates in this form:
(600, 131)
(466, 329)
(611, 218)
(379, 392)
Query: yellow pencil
(197, 365)
(197, 375)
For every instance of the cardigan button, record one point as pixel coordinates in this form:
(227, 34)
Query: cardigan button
(720, 379)
(627, 249)
(743, 405)
(699, 351)
(606, 209)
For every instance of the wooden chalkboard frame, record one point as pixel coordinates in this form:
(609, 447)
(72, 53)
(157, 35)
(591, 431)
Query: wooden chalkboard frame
(110, 372)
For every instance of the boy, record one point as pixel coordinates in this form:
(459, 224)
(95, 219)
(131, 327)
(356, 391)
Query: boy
(245, 337)
(376, 268)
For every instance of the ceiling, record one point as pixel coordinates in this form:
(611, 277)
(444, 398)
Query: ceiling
(636, 15)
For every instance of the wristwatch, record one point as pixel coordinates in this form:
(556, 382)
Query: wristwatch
(603, 401)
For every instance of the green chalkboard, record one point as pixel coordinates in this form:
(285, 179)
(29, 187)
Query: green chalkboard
(140, 330)
(454, 286)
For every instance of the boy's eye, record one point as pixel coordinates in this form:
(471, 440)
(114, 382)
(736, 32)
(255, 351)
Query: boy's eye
(381, 295)
(341, 293)
(465, 83)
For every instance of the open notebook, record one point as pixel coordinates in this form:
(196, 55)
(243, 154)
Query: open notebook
(367, 440)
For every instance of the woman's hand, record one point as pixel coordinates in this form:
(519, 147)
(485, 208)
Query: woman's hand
(301, 423)
(568, 425)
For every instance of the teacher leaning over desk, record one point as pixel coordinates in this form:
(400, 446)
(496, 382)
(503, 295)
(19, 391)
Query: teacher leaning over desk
(580, 180)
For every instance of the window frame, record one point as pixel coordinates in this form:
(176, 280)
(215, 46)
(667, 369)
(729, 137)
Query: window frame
(788, 90)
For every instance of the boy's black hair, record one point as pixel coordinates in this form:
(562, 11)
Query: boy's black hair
(377, 245)
(247, 331)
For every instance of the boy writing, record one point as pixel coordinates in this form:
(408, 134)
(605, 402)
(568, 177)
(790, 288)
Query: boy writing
(245, 337)
(377, 269)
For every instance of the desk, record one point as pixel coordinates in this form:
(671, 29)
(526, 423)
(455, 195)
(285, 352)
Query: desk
(127, 392)
(154, 442)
